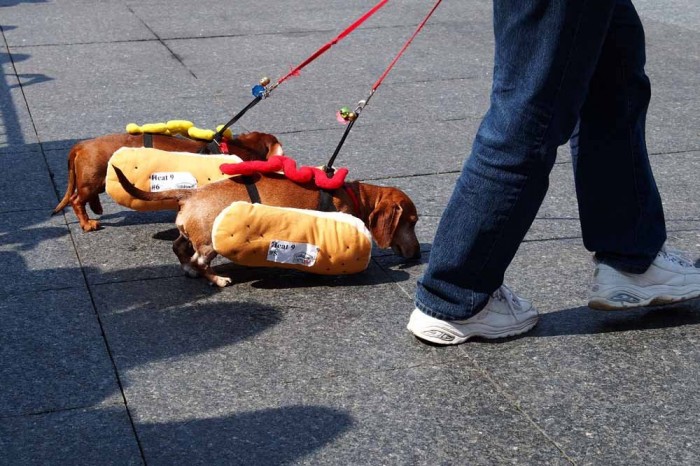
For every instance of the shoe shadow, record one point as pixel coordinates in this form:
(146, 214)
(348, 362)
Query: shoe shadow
(586, 321)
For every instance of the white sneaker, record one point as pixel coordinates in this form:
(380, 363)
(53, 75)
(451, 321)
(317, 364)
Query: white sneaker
(672, 277)
(506, 314)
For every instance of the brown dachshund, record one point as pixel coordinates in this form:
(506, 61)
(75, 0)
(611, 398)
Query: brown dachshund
(388, 213)
(87, 164)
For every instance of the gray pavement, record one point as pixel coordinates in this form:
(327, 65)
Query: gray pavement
(109, 355)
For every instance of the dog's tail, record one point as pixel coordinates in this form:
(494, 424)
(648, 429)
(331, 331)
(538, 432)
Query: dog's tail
(133, 191)
(71, 182)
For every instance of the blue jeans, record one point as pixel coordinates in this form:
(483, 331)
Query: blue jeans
(564, 69)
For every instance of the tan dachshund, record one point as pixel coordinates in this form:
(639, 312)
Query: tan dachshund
(87, 164)
(388, 213)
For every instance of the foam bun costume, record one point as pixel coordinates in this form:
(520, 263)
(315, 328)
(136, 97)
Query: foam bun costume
(157, 170)
(326, 243)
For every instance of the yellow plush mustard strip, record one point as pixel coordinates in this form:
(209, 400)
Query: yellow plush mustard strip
(202, 134)
(179, 126)
(174, 127)
(317, 242)
(157, 170)
(228, 134)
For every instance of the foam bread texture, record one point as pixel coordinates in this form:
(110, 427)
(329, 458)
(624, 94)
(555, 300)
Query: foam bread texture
(326, 243)
(157, 170)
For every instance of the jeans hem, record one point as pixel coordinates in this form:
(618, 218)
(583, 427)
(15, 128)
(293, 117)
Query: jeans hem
(438, 315)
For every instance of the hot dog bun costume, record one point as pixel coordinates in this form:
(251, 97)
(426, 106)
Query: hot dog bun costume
(326, 243)
(158, 170)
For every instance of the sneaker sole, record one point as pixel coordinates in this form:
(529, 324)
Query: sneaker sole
(601, 303)
(446, 335)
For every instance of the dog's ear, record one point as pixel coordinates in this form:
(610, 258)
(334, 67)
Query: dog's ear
(383, 222)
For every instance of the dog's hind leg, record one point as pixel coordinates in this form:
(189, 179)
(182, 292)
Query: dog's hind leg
(182, 247)
(95, 204)
(201, 259)
(79, 208)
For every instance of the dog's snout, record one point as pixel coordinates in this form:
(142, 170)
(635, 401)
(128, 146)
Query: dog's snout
(412, 252)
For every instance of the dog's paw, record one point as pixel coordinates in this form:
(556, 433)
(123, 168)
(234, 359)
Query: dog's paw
(222, 282)
(90, 225)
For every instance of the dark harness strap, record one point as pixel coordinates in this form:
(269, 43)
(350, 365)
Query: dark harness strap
(210, 148)
(325, 199)
(253, 193)
(325, 202)
(147, 140)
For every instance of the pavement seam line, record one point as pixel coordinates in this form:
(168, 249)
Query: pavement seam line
(60, 410)
(107, 346)
(162, 42)
(219, 36)
(80, 263)
(515, 404)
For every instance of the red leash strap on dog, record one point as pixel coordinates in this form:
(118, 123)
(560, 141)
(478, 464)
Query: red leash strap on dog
(295, 71)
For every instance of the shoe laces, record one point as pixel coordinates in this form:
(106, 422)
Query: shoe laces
(676, 256)
(507, 296)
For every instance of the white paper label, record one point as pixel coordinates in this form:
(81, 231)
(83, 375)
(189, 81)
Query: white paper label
(285, 252)
(162, 181)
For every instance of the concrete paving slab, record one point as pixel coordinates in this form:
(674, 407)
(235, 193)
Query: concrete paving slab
(16, 127)
(381, 153)
(268, 327)
(25, 182)
(672, 121)
(125, 249)
(353, 419)
(401, 103)
(53, 23)
(584, 370)
(80, 437)
(441, 51)
(52, 355)
(330, 17)
(39, 251)
(89, 80)
(283, 366)
(676, 177)
(674, 12)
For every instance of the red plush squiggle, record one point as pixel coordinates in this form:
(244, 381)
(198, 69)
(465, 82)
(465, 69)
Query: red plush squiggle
(284, 164)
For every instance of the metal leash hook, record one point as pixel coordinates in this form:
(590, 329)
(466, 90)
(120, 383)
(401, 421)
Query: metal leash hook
(346, 116)
(263, 89)
(260, 91)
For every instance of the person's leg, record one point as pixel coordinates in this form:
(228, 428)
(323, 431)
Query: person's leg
(546, 52)
(622, 218)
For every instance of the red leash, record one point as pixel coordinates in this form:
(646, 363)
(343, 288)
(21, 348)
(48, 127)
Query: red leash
(403, 49)
(350, 117)
(295, 71)
(263, 90)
